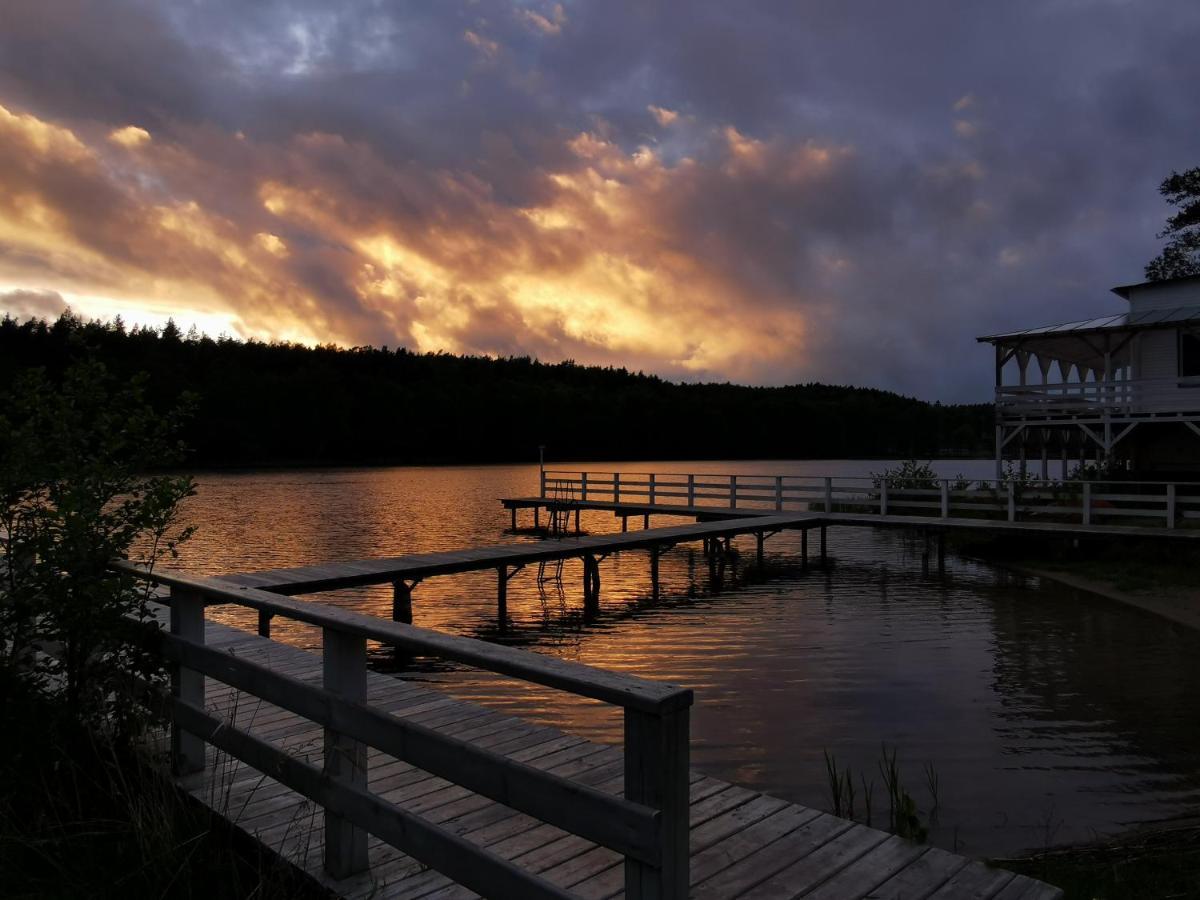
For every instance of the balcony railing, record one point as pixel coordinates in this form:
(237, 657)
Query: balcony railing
(1096, 399)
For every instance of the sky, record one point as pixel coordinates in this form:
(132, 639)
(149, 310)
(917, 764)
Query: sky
(763, 192)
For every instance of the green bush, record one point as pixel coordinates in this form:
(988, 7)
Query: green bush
(75, 494)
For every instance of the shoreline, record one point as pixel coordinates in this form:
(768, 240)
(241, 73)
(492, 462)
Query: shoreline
(1176, 606)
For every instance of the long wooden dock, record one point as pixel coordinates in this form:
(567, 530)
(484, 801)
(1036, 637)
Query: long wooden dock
(740, 843)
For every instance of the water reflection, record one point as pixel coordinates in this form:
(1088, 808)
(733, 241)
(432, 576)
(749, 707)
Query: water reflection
(1046, 714)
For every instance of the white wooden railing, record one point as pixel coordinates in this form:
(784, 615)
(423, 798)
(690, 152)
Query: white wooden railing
(1134, 397)
(1148, 503)
(649, 824)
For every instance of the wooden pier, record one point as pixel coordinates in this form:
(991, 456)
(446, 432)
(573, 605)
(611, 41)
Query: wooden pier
(381, 788)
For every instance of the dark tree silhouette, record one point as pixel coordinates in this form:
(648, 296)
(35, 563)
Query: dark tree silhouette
(286, 404)
(1181, 256)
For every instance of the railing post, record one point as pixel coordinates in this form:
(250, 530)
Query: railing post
(1012, 500)
(1087, 503)
(651, 488)
(187, 622)
(828, 494)
(732, 491)
(691, 490)
(945, 499)
(778, 492)
(583, 485)
(345, 673)
(656, 775)
(616, 487)
(1170, 506)
(883, 496)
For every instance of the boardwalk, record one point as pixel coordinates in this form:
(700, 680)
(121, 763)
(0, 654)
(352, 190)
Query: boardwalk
(741, 843)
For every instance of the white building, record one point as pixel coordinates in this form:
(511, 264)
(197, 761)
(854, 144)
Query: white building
(1124, 388)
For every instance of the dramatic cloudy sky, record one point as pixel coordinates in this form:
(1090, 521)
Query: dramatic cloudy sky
(768, 192)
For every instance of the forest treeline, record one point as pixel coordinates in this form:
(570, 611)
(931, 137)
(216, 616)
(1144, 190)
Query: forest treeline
(266, 404)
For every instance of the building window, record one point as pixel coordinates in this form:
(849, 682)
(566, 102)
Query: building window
(1189, 354)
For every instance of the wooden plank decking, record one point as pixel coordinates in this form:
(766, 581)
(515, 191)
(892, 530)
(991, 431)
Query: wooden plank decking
(742, 843)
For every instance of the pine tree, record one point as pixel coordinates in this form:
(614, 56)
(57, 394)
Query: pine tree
(1181, 256)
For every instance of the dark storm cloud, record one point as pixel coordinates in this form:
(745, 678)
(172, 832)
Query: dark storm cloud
(773, 191)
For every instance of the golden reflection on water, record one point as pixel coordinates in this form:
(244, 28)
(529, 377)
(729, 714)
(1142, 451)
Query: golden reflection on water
(1046, 714)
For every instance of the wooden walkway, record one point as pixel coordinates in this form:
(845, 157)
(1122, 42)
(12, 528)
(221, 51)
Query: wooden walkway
(742, 843)
(816, 519)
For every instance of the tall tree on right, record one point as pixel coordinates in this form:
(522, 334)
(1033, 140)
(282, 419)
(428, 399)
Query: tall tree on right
(1181, 256)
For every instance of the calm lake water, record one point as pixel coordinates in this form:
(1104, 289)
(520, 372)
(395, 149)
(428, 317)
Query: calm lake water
(1047, 715)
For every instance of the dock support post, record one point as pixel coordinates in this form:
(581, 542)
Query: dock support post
(624, 523)
(502, 598)
(264, 623)
(646, 521)
(733, 492)
(941, 552)
(591, 587)
(828, 495)
(1012, 501)
(537, 517)
(1045, 461)
(654, 552)
(778, 492)
(804, 549)
(945, 499)
(344, 660)
(656, 775)
(824, 555)
(187, 622)
(1170, 506)
(577, 520)
(1087, 503)
(759, 538)
(883, 497)
(514, 518)
(402, 601)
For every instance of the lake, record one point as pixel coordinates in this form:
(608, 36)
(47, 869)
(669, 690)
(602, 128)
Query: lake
(1045, 715)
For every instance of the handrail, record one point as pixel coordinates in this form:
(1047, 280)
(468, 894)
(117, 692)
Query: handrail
(1011, 499)
(649, 825)
(627, 691)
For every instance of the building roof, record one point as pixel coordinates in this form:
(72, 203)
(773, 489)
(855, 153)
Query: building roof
(1125, 290)
(1151, 318)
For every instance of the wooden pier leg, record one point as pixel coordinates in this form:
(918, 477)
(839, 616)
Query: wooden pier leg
(824, 555)
(514, 518)
(591, 587)
(656, 775)
(264, 623)
(537, 517)
(502, 598)
(646, 521)
(804, 549)
(577, 520)
(654, 552)
(624, 523)
(402, 602)
(344, 659)
(760, 539)
(187, 622)
(941, 552)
